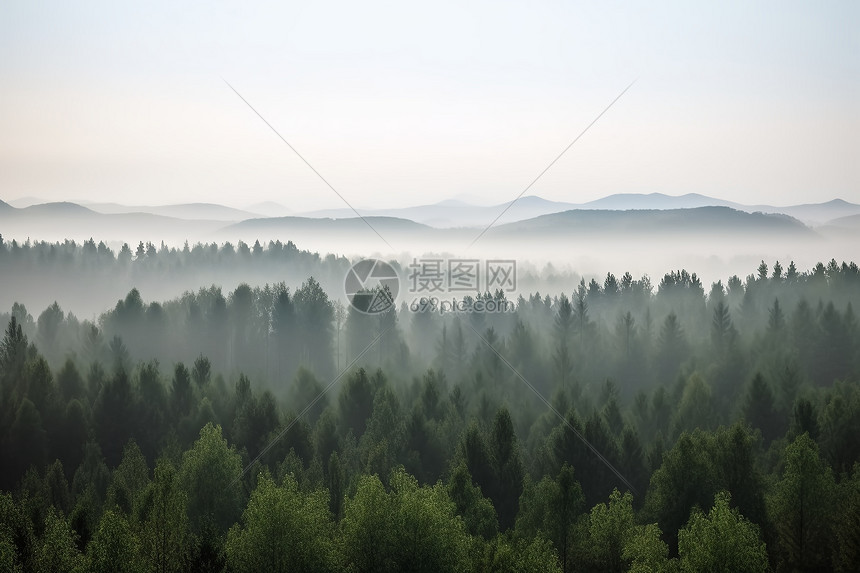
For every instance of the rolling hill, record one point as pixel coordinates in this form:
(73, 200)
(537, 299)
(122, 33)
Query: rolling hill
(698, 221)
(189, 211)
(60, 221)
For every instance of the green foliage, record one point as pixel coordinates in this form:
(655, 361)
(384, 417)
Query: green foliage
(760, 411)
(801, 506)
(721, 541)
(840, 426)
(846, 545)
(478, 513)
(208, 476)
(356, 478)
(113, 416)
(17, 542)
(551, 507)
(129, 480)
(114, 547)
(58, 550)
(699, 466)
(508, 485)
(282, 529)
(412, 527)
(646, 552)
(695, 409)
(27, 441)
(163, 518)
(609, 528)
(506, 555)
(356, 402)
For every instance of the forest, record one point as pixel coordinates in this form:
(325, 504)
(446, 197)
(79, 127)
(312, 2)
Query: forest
(614, 423)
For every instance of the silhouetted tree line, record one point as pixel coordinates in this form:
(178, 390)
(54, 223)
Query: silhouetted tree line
(147, 256)
(687, 431)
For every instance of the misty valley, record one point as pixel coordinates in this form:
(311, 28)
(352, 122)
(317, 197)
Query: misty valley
(383, 287)
(234, 408)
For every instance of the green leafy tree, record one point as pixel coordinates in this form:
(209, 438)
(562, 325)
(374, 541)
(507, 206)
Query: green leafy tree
(721, 541)
(26, 444)
(208, 476)
(13, 353)
(181, 392)
(306, 389)
(129, 480)
(336, 485)
(723, 332)
(698, 466)
(647, 552)
(282, 529)
(551, 508)
(696, 408)
(506, 555)
(114, 547)
(56, 490)
(151, 408)
(384, 439)
(478, 513)
(804, 420)
(69, 381)
(508, 468)
(801, 506)
(47, 328)
(201, 373)
(58, 551)
(840, 426)
(760, 410)
(315, 314)
(356, 402)
(163, 518)
(672, 348)
(609, 528)
(17, 541)
(563, 325)
(113, 416)
(412, 528)
(846, 546)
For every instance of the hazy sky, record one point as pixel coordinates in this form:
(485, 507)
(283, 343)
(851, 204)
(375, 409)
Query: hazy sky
(401, 103)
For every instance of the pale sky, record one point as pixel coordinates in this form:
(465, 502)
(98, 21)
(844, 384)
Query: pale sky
(401, 103)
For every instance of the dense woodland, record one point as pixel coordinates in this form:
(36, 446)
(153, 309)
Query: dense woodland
(614, 425)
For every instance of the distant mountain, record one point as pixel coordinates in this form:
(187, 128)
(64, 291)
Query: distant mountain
(700, 221)
(820, 213)
(811, 214)
(851, 221)
(324, 226)
(625, 201)
(22, 202)
(587, 229)
(269, 209)
(847, 228)
(189, 211)
(62, 208)
(449, 224)
(455, 213)
(59, 221)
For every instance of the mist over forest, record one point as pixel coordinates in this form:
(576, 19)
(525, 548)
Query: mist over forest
(221, 407)
(461, 287)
